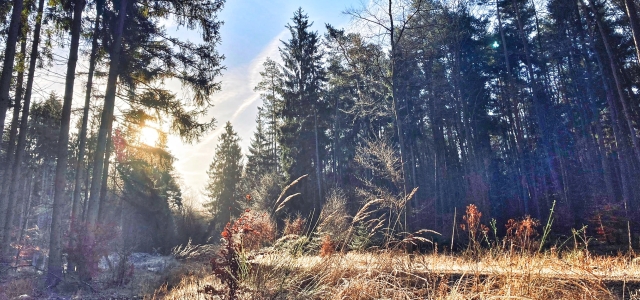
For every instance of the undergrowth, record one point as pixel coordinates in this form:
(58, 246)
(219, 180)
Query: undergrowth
(345, 267)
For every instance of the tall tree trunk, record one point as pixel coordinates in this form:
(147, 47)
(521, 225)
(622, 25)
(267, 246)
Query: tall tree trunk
(547, 143)
(13, 131)
(85, 119)
(22, 135)
(9, 57)
(105, 178)
(394, 95)
(518, 127)
(26, 214)
(106, 121)
(5, 84)
(8, 161)
(318, 166)
(614, 70)
(55, 240)
(632, 13)
(624, 161)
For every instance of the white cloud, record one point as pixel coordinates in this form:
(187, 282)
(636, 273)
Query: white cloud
(237, 103)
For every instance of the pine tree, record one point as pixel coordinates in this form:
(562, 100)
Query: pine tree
(225, 174)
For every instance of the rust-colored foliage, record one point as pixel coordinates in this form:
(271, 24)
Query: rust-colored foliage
(250, 231)
(522, 233)
(263, 230)
(226, 263)
(610, 223)
(295, 226)
(327, 247)
(473, 226)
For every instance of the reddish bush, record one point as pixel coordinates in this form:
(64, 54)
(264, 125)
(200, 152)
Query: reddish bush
(327, 247)
(295, 226)
(473, 226)
(83, 252)
(226, 264)
(523, 233)
(263, 230)
(610, 223)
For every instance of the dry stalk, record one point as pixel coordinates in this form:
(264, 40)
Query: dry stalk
(278, 204)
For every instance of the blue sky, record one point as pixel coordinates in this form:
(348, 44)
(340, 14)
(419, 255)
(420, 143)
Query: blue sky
(252, 31)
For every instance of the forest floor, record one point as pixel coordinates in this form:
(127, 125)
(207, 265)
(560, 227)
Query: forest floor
(369, 275)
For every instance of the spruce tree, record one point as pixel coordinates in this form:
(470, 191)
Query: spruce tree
(225, 174)
(259, 160)
(270, 87)
(302, 134)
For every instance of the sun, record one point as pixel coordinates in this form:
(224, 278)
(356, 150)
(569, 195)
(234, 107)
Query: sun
(149, 136)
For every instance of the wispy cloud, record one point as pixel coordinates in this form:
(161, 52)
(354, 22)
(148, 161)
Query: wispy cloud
(237, 103)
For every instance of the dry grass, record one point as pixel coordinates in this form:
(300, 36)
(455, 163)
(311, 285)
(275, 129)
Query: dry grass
(395, 275)
(188, 282)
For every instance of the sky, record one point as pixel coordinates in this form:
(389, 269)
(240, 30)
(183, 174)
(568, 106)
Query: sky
(252, 31)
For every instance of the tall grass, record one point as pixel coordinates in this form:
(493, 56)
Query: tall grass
(508, 268)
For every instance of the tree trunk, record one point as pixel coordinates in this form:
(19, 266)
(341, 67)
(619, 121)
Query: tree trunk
(634, 23)
(13, 131)
(549, 153)
(8, 162)
(5, 83)
(619, 138)
(614, 70)
(9, 56)
(318, 166)
(55, 240)
(85, 120)
(26, 215)
(514, 112)
(105, 178)
(107, 119)
(22, 136)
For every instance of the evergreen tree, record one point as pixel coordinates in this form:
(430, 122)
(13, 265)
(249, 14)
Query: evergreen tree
(225, 175)
(259, 160)
(149, 188)
(302, 135)
(271, 93)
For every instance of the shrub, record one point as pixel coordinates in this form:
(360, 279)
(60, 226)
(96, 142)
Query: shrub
(474, 227)
(191, 225)
(522, 234)
(334, 220)
(264, 191)
(84, 253)
(361, 239)
(226, 264)
(263, 231)
(295, 226)
(294, 244)
(327, 247)
(610, 223)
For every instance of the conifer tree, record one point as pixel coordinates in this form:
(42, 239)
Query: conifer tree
(271, 93)
(225, 174)
(302, 137)
(259, 160)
